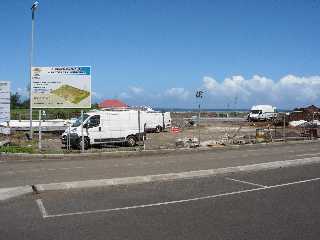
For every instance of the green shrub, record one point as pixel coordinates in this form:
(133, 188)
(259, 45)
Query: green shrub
(16, 149)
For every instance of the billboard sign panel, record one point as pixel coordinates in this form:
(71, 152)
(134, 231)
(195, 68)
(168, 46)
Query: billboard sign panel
(4, 101)
(61, 87)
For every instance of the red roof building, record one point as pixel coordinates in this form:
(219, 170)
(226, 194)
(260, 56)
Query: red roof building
(113, 103)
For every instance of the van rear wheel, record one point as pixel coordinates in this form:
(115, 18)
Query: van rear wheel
(158, 129)
(131, 141)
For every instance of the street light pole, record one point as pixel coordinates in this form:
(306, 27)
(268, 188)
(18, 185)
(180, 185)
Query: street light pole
(199, 95)
(33, 9)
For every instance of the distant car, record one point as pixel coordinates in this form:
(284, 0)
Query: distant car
(262, 113)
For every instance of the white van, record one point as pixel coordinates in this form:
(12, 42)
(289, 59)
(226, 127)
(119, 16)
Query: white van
(101, 127)
(156, 121)
(262, 113)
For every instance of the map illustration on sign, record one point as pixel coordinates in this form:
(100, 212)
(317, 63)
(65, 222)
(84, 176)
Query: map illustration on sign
(71, 94)
(61, 87)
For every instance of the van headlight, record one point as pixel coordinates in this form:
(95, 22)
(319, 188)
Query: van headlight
(73, 130)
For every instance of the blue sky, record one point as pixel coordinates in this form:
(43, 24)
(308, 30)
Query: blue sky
(157, 53)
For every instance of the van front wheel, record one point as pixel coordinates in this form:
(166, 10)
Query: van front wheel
(131, 141)
(86, 144)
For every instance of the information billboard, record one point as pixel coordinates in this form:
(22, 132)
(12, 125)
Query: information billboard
(4, 101)
(61, 87)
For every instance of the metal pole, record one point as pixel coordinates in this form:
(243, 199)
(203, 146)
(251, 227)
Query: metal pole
(199, 123)
(40, 143)
(139, 120)
(31, 62)
(82, 136)
(284, 127)
(68, 137)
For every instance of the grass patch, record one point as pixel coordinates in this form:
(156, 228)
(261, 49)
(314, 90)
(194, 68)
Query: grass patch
(16, 149)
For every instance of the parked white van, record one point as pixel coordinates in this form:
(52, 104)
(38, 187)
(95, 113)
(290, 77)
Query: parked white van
(262, 113)
(101, 127)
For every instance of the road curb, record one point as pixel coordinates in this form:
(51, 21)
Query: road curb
(7, 193)
(173, 176)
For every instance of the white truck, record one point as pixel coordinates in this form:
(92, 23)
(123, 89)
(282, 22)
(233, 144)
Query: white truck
(101, 127)
(156, 121)
(262, 113)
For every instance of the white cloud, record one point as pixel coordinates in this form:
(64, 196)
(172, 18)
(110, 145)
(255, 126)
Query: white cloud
(124, 95)
(178, 93)
(136, 90)
(96, 95)
(24, 92)
(132, 92)
(288, 91)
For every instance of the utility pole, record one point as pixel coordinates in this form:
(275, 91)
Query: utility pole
(199, 95)
(33, 9)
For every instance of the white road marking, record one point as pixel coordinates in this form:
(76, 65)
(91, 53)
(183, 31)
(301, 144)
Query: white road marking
(42, 208)
(307, 154)
(41, 170)
(46, 215)
(241, 181)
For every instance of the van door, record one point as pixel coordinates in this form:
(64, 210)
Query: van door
(94, 129)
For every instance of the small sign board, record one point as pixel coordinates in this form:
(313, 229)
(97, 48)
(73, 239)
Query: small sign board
(61, 87)
(4, 101)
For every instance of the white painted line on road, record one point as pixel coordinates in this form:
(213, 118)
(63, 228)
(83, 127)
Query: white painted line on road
(308, 154)
(241, 181)
(42, 208)
(40, 170)
(7, 193)
(46, 215)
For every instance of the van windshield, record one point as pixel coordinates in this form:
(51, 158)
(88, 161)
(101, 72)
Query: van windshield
(256, 111)
(77, 123)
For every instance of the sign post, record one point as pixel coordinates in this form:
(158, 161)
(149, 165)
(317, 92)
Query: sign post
(39, 132)
(82, 136)
(61, 87)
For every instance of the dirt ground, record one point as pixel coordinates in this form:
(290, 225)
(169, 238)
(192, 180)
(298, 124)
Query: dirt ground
(211, 133)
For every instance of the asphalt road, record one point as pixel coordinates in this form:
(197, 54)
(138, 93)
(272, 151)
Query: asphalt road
(273, 204)
(18, 173)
